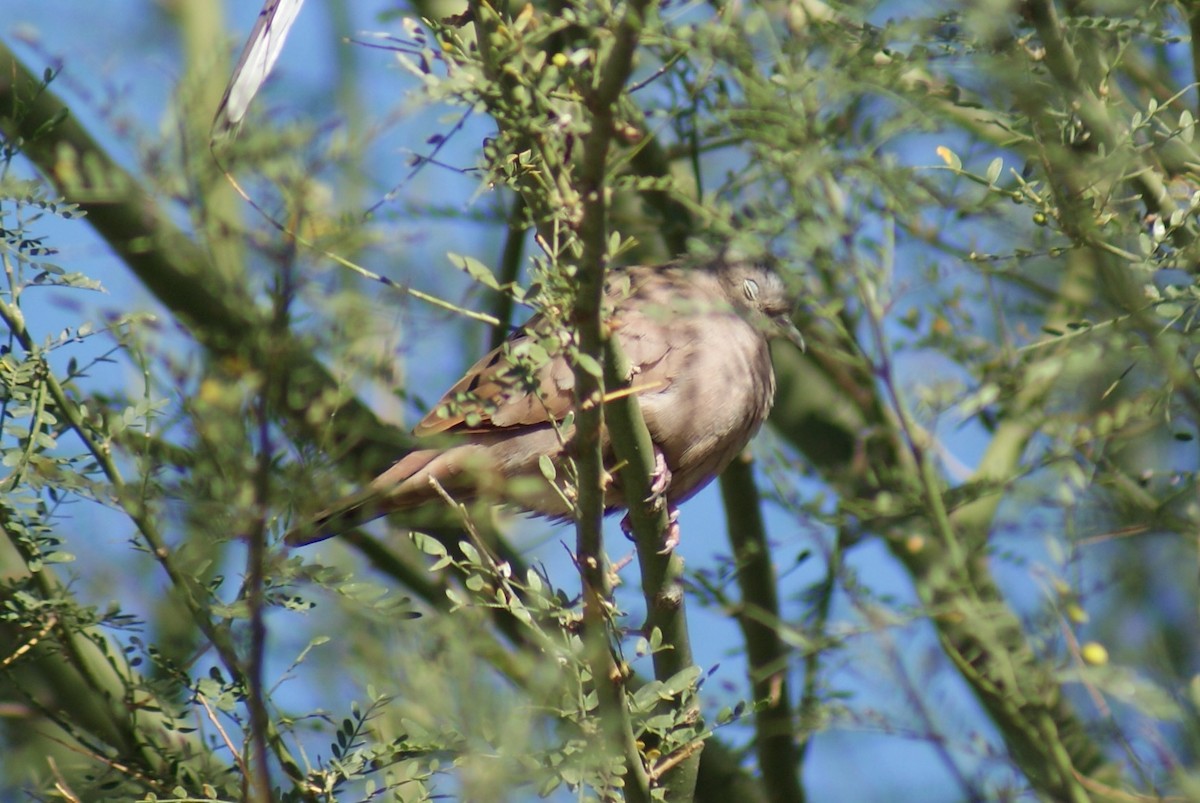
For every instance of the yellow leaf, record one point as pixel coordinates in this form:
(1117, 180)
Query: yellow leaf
(949, 157)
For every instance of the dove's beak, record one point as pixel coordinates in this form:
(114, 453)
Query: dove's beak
(789, 332)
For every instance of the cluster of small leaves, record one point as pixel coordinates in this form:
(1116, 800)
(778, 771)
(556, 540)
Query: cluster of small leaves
(1144, 27)
(1126, 364)
(482, 274)
(356, 756)
(10, 147)
(45, 474)
(39, 475)
(532, 600)
(375, 598)
(1022, 210)
(660, 729)
(29, 253)
(33, 465)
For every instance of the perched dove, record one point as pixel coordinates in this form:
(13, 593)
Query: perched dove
(697, 340)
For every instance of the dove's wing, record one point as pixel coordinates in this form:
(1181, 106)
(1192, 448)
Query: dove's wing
(517, 384)
(528, 382)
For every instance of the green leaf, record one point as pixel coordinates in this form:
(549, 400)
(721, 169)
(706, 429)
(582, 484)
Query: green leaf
(588, 363)
(680, 682)
(656, 639)
(469, 552)
(475, 269)
(647, 697)
(533, 580)
(429, 545)
(993, 171)
(1169, 310)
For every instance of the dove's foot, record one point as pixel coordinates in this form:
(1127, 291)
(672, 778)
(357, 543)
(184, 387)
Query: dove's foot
(671, 536)
(660, 479)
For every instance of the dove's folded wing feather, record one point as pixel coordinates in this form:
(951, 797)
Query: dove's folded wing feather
(517, 384)
(520, 384)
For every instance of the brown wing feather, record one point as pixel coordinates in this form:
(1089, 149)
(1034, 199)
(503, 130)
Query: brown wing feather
(511, 387)
(467, 395)
(517, 384)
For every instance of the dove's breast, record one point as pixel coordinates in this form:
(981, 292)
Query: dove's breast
(718, 391)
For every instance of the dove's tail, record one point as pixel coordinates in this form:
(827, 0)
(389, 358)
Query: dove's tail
(404, 486)
(497, 467)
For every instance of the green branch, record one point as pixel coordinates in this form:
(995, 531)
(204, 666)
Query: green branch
(766, 653)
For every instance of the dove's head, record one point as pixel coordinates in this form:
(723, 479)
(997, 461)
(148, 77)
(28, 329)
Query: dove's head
(754, 287)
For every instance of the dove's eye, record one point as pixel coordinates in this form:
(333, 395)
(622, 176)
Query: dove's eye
(750, 288)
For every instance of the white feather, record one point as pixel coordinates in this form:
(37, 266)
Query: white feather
(258, 57)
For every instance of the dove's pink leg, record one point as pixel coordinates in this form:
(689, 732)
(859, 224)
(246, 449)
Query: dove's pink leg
(671, 536)
(660, 480)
